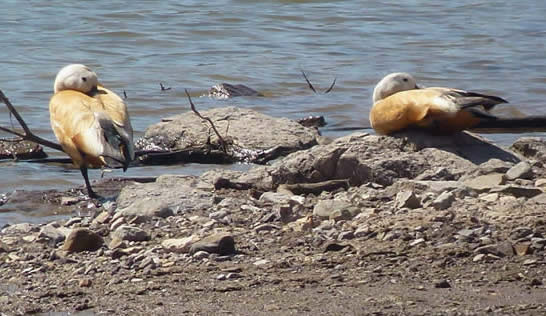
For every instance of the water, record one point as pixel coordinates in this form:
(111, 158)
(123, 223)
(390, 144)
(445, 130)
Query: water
(493, 47)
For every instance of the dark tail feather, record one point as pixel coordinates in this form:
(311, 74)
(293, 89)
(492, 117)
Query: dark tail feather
(468, 99)
(512, 125)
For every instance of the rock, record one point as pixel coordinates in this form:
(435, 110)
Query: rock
(343, 214)
(52, 233)
(503, 249)
(539, 199)
(442, 284)
(145, 209)
(266, 227)
(82, 239)
(521, 170)
(443, 201)
(531, 148)
(485, 182)
(517, 191)
(407, 199)
(495, 165)
(200, 255)
(478, 257)
(130, 233)
(226, 90)
(274, 197)
(334, 246)
(491, 197)
(252, 142)
(20, 150)
(24, 228)
(179, 193)
(522, 248)
(221, 243)
(68, 200)
(540, 183)
(325, 208)
(103, 218)
(416, 242)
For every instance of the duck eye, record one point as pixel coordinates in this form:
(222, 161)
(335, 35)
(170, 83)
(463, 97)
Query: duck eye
(405, 80)
(84, 79)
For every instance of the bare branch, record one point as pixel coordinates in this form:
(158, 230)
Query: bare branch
(27, 135)
(331, 87)
(163, 87)
(308, 82)
(222, 142)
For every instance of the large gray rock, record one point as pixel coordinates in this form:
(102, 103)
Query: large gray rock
(251, 136)
(362, 158)
(178, 193)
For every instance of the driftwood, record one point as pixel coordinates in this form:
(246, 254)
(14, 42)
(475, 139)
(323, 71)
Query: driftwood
(27, 135)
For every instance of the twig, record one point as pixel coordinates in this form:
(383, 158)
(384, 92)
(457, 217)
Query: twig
(313, 88)
(27, 135)
(308, 82)
(163, 87)
(331, 87)
(124, 95)
(222, 142)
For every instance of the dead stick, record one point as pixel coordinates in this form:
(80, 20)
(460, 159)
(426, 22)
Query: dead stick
(28, 135)
(222, 142)
(308, 82)
(331, 87)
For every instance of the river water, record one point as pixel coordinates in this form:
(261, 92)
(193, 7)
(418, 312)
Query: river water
(495, 47)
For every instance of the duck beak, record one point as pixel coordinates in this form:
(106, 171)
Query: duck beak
(417, 87)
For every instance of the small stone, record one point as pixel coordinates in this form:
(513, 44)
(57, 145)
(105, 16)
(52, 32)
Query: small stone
(117, 222)
(261, 262)
(51, 233)
(146, 209)
(442, 284)
(541, 183)
(68, 200)
(221, 243)
(82, 239)
(334, 246)
(530, 261)
(324, 208)
(491, 197)
(535, 282)
(417, 241)
(266, 227)
(19, 228)
(180, 245)
(130, 233)
(443, 201)
(407, 199)
(341, 214)
(346, 235)
(518, 191)
(502, 249)
(495, 165)
(200, 255)
(521, 170)
(485, 182)
(478, 257)
(85, 282)
(539, 199)
(102, 218)
(275, 198)
(522, 248)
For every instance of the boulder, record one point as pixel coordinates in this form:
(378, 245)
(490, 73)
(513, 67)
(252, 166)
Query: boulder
(250, 136)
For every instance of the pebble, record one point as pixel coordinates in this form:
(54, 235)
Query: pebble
(485, 182)
(407, 199)
(443, 201)
(521, 170)
(180, 245)
(130, 233)
(417, 242)
(200, 255)
(221, 243)
(324, 208)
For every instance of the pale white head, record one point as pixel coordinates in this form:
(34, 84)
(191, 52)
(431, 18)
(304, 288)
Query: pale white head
(393, 83)
(76, 77)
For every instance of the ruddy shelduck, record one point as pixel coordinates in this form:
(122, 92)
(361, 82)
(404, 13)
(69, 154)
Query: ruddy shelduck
(399, 103)
(91, 122)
